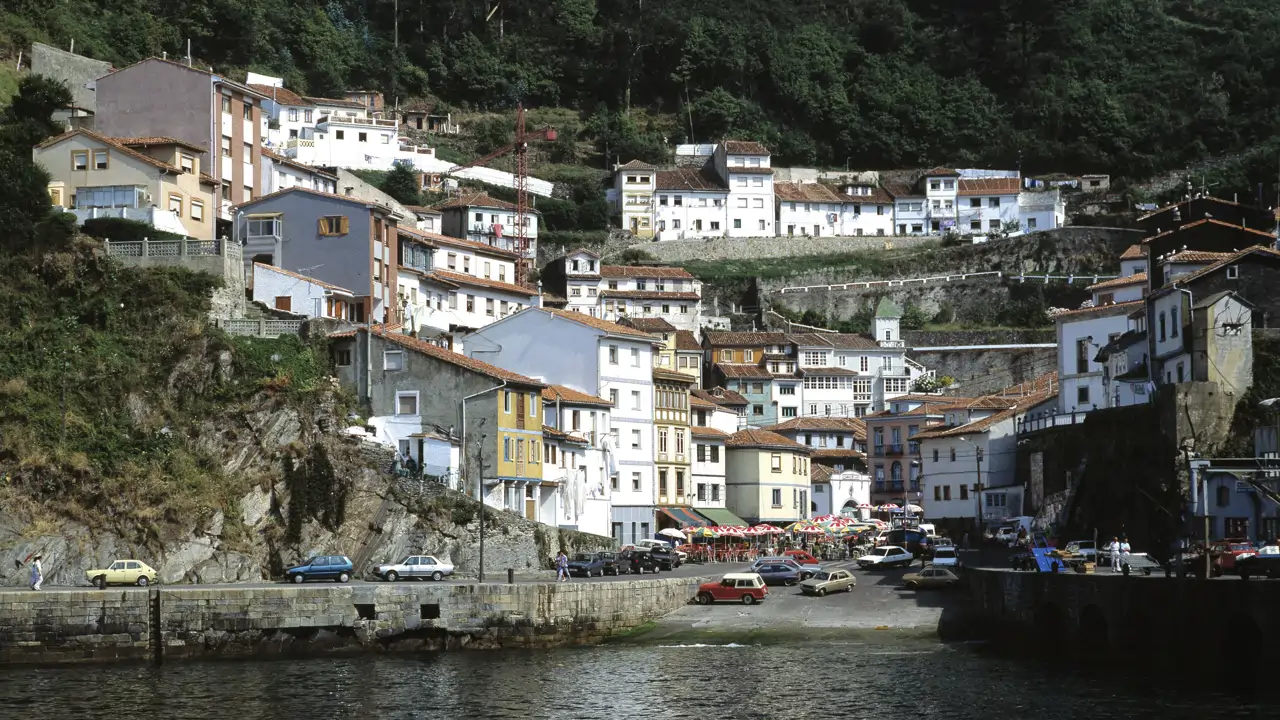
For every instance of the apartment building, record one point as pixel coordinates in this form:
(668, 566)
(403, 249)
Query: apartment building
(893, 454)
(634, 185)
(672, 445)
(768, 477)
(477, 217)
(820, 210)
(985, 205)
(163, 98)
(579, 464)
(599, 358)
(280, 173)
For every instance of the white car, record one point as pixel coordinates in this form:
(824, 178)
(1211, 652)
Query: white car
(418, 567)
(945, 556)
(1083, 548)
(886, 556)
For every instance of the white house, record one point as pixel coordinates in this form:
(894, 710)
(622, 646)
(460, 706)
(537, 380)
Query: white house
(599, 358)
(824, 433)
(651, 291)
(808, 209)
(744, 167)
(579, 464)
(280, 172)
(296, 293)
(690, 204)
(839, 492)
(1081, 334)
(986, 204)
(581, 287)
(1041, 209)
(866, 210)
(708, 467)
(487, 220)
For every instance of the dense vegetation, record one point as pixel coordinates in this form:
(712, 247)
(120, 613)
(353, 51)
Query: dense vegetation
(1131, 87)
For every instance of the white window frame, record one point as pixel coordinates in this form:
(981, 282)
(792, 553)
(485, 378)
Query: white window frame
(416, 400)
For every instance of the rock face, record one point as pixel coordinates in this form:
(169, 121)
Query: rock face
(307, 492)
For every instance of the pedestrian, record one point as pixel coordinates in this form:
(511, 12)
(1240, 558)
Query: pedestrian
(37, 573)
(1114, 548)
(562, 567)
(964, 541)
(1125, 549)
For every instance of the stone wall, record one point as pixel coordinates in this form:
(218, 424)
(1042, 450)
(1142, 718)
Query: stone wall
(167, 623)
(982, 372)
(954, 338)
(76, 71)
(677, 251)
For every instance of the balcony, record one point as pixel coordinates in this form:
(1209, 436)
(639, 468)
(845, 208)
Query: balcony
(900, 371)
(892, 449)
(1030, 425)
(349, 120)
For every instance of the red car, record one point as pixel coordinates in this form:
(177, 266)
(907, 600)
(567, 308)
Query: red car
(801, 557)
(1226, 552)
(746, 588)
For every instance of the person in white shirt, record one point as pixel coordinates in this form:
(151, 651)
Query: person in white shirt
(1125, 549)
(1114, 548)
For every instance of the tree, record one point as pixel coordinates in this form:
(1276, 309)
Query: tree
(402, 183)
(26, 122)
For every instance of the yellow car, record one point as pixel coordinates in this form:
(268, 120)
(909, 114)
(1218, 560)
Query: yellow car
(123, 572)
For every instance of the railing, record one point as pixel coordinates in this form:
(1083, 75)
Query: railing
(165, 248)
(899, 371)
(993, 274)
(1035, 424)
(262, 327)
(893, 449)
(299, 142)
(346, 120)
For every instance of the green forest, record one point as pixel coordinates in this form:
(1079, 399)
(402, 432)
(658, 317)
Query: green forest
(1130, 87)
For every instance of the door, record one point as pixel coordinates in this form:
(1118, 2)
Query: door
(320, 568)
(530, 502)
(520, 454)
(115, 573)
(635, 226)
(426, 566)
(412, 567)
(520, 401)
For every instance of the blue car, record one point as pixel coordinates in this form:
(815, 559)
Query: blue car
(778, 574)
(586, 565)
(321, 567)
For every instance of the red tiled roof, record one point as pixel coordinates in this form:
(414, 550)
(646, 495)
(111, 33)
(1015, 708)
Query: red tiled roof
(461, 243)
(282, 96)
(1171, 206)
(114, 144)
(685, 340)
(1134, 279)
(277, 157)
(334, 196)
(636, 165)
(744, 339)
(836, 453)
(980, 425)
(708, 432)
(745, 147)
(748, 170)
(1270, 237)
(462, 279)
(649, 325)
(698, 402)
(673, 376)
(902, 190)
(456, 359)
(751, 438)
(644, 271)
(1101, 309)
(304, 278)
(208, 179)
(728, 397)
(1134, 252)
(842, 341)
(807, 192)
(156, 141)
(741, 371)
(989, 186)
(838, 424)
(820, 473)
(566, 394)
(1194, 256)
(334, 102)
(476, 199)
(551, 433)
(878, 196)
(1229, 260)
(940, 172)
(598, 324)
(690, 179)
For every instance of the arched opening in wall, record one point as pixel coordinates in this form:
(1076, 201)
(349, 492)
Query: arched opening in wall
(1051, 629)
(1095, 641)
(1241, 645)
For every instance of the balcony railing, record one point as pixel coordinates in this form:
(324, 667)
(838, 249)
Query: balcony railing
(347, 120)
(893, 449)
(164, 248)
(1035, 424)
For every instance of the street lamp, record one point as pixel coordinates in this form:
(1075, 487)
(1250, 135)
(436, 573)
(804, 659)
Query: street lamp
(977, 453)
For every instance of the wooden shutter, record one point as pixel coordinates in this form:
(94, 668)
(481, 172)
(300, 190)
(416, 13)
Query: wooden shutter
(342, 226)
(322, 229)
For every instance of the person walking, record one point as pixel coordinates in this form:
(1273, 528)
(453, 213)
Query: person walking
(1114, 548)
(37, 573)
(562, 567)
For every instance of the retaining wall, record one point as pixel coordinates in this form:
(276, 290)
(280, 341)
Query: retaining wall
(676, 251)
(160, 623)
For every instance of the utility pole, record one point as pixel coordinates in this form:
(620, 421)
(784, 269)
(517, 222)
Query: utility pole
(480, 497)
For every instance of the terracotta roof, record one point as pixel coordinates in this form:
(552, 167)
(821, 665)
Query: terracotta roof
(649, 325)
(462, 279)
(673, 376)
(1134, 279)
(304, 278)
(1229, 260)
(1180, 203)
(841, 341)
(902, 190)
(744, 372)
(940, 172)
(461, 243)
(112, 143)
(697, 402)
(454, 358)
(421, 210)
(751, 438)
(986, 402)
(598, 324)
(1101, 309)
(636, 165)
(282, 96)
(351, 331)
(838, 424)
(688, 179)
(708, 432)
(208, 179)
(1194, 256)
(649, 295)
(744, 339)
(551, 433)
(819, 473)
(878, 196)
(566, 394)
(685, 340)
(334, 102)
(1270, 237)
(989, 186)
(277, 157)
(475, 199)
(155, 141)
(645, 271)
(980, 425)
(1134, 252)
(745, 147)
(747, 170)
(836, 453)
(728, 397)
(806, 192)
(334, 196)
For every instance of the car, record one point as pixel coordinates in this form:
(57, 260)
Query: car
(778, 573)
(123, 572)
(1227, 555)
(1258, 566)
(1006, 535)
(586, 565)
(930, 577)
(946, 556)
(805, 572)
(665, 558)
(886, 556)
(1086, 549)
(746, 588)
(414, 567)
(638, 561)
(321, 567)
(613, 564)
(653, 543)
(803, 559)
(914, 541)
(828, 581)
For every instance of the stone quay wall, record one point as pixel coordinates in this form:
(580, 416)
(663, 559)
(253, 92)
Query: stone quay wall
(163, 623)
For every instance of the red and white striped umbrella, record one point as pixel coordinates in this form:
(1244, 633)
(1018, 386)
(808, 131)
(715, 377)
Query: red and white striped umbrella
(826, 518)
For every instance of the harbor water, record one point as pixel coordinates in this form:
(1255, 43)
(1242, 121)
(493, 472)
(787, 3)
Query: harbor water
(888, 678)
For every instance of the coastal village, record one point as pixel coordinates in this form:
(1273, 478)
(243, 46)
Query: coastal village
(588, 394)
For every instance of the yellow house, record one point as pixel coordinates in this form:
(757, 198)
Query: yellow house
(766, 477)
(97, 176)
(672, 446)
(519, 436)
(634, 183)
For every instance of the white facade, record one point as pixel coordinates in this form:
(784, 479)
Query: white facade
(708, 487)
(866, 211)
(749, 207)
(580, 468)
(279, 173)
(1081, 334)
(634, 186)
(283, 290)
(842, 490)
(951, 471)
(987, 213)
(1041, 210)
(1170, 319)
(683, 214)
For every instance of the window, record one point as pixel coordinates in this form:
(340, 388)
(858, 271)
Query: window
(1233, 272)
(1162, 327)
(246, 111)
(488, 307)
(737, 224)
(775, 462)
(226, 104)
(757, 410)
(1082, 394)
(715, 224)
(175, 204)
(635, 481)
(197, 210)
(786, 389)
(964, 492)
(937, 492)
(953, 454)
(776, 497)
(935, 454)
(406, 403)
(339, 134)
(975, 225)
(471, 302)
(80, 160)
(613, 354)
(613, 397)
(946, 492)
(662, 441)
(263, 227)
(994, 225)
(1173, 322)
(635, 357)
(635, 399)
(1180, 371)
(1031, 223)
(1082, 355)
(101, 160)
(342, 358)
(757, 182)
(635, 439)
(333, 225)
(788, 412)
(392, 360)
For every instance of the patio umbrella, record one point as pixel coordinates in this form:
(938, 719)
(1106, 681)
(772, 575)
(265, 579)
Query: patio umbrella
(887, 508)
(704, 532)
(799, 525)
(915, 509)
(864, 506)
(826, 518)
(812, 530)
(672, 533)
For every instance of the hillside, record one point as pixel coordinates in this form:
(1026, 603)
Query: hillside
(1130, 87)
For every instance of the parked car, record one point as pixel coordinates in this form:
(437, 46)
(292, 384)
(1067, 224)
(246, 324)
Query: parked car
(653, 542)
(417, 567)
(321, 567)
(778, 573)
(930, 578)
(946, 556)
(586, 565)
(1085, 548)
(746, 588)
(886, 556)
(828, 581)
(805, 572)
(639, 562)
(1258, 566)
(665, 557)
(123, 572)
(1228, 553)
(803, 559)
(613, 564)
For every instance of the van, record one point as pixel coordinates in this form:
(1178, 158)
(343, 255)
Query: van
(929, 530)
